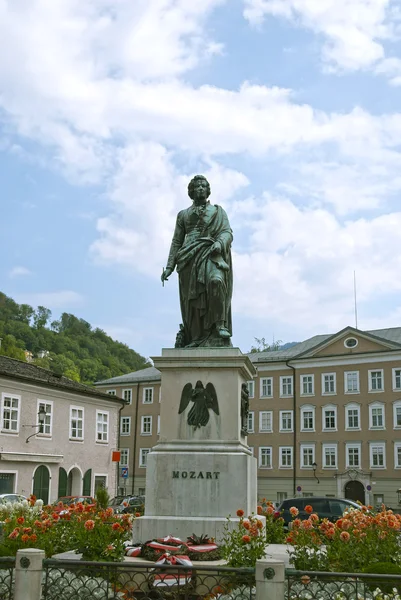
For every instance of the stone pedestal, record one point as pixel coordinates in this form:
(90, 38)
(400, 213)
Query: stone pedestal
(195, 478)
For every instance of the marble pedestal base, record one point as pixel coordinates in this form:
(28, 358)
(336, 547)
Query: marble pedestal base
(197, 477)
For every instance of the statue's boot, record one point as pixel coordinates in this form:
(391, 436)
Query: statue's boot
(223, 333)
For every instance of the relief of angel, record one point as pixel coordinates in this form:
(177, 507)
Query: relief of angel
(203, 399)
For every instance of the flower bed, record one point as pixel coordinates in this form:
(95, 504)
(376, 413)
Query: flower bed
(96, 534)
(358, 539)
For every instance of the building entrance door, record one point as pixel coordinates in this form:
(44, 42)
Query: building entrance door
(41, 483)
(355, 491)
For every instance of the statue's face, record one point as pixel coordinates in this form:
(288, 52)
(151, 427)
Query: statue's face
(200, 191)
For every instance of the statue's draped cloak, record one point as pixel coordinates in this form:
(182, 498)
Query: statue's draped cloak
(194, 235)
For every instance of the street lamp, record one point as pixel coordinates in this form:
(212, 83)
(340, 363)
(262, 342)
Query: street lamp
(41, 416)
(314, 466)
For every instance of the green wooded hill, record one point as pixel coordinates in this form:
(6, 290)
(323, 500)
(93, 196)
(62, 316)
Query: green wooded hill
(68, 346)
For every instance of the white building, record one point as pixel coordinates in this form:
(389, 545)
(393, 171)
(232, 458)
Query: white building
(71, 454)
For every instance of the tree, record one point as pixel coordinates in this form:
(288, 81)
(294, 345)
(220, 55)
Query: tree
(263, 346)
(41, 316)
(25, 313)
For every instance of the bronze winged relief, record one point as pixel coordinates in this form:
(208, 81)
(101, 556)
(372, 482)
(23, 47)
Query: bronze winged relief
(203, 399)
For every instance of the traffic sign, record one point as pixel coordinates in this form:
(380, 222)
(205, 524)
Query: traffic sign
(124, 472)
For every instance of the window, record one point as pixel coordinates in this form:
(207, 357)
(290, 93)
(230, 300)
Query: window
(286, 420)
(265, 457)
(125, 426)
(158, 424)
(143, 456)
(76, 423)
(307, 385)
(265, 421)
(146, 425)
(352, 416)
(251, 421)
(141, 491)
(397, 455)
(353, 455)
(266, 387)
(10, 413)
(251, 388)
(376, 416)
(377, 455)
(397, 414)
(47, 425)
(285, 457)
(124, 459)
(376, 381)
(307, 455)
(286, 386)
(329, 418)
(307, 418)
(396, 379)
(328, 383)
(147, 395)
(329, 456)
(102, 426)
(350, 342)
(351, 382)
(127, 396)
(111, 392)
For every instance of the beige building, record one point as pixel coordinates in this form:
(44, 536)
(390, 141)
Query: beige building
(71, 453)
(325, 418)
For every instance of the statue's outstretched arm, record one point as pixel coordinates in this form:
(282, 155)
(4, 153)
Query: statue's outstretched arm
(178, 240)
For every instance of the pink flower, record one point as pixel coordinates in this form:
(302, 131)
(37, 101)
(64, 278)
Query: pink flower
(345, 536)
(294, 512)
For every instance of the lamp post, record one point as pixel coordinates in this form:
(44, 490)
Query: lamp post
(314, 466)
(41, 416)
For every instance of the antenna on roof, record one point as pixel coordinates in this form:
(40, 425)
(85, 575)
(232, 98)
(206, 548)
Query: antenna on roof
(355, 306)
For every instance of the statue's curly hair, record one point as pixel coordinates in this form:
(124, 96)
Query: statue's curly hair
(191, 186)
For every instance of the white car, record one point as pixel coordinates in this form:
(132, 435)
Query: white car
(12, 498)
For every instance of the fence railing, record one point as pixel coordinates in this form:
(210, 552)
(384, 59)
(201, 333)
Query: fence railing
(65, 579)
(318, 585)
(7, 566)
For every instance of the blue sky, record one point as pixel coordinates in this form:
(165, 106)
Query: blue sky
(290, 107)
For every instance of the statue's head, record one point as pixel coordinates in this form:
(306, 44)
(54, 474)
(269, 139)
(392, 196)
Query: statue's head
(198, 187)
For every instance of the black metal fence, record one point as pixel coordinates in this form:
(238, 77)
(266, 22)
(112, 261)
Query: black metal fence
(318, 585)
(7, 566)
(69, 580)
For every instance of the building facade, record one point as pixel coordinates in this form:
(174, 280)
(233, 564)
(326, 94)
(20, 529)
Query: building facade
(71, 454)
(325, 418)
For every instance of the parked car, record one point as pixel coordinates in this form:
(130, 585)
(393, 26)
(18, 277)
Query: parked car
(12, 498)
(71, 500)
(128, 504)
(326, 508)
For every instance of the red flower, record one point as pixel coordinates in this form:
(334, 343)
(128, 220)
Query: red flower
(27, 530)
(14, 534)
(294, 512)
(246, 525)
(34, 537)
(240, 513)
(20, 520)
(116, 526)
(137, 514)
(259, 510)
(246, 539)
(89, 525)
(24, 538)
(259, 524)
(308, 509)
(344, 536)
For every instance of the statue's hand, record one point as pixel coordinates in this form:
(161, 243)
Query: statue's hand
(216, 247)
(166, 273)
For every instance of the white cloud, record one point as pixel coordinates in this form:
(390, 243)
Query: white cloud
(19, 271)
(299, 267)
(62, 299)
(354, 30)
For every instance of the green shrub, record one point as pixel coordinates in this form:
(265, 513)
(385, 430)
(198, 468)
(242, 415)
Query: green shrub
(102, 497)
(384, 568)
